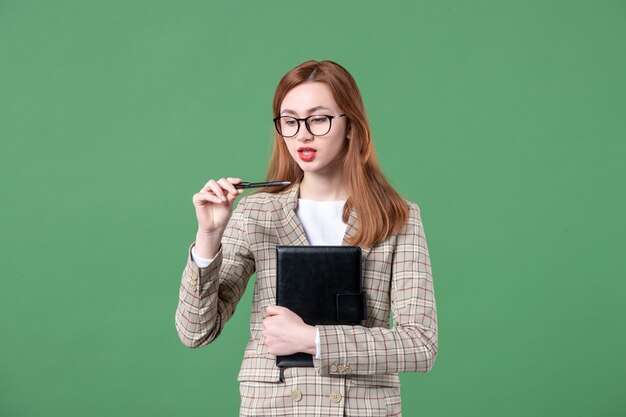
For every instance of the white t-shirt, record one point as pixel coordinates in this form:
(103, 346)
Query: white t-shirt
(321, 221)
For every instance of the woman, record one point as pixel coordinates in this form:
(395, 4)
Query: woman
(338, 196)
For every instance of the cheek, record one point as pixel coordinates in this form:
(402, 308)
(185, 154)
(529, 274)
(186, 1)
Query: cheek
(339, 145)
(289, 147)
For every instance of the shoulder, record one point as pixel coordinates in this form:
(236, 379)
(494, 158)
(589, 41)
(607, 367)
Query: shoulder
(252, 204)
(257, 199)
(414, 219)
(414, 211)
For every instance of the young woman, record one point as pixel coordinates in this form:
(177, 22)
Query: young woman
(338, 196)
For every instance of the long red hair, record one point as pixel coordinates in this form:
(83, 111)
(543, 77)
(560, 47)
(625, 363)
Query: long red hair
(380, 209)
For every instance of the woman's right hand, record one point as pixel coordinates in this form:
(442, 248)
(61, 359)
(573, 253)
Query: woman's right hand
(214, 205)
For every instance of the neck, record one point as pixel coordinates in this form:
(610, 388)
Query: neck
(315, 186)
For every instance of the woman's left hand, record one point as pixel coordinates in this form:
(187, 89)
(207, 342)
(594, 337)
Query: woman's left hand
(285, 332)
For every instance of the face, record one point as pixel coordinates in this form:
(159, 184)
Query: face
(315, 154)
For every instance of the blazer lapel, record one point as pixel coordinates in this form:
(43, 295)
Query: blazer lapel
(351, 229)
(288, 227)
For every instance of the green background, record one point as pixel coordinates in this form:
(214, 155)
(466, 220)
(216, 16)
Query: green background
(504, 121)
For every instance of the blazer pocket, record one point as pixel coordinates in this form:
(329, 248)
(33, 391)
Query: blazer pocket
(259, 368)
(379, 380)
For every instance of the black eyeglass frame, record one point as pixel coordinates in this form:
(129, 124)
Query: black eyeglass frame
(306, 123)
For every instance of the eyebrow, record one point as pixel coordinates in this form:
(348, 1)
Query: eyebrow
(311, 110)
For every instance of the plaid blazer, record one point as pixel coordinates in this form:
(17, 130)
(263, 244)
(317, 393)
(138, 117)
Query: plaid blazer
(357, 373)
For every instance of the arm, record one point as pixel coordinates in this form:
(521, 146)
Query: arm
(208, 296)
(411, 345)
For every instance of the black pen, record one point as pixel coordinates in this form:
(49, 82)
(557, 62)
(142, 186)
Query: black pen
(261, 184)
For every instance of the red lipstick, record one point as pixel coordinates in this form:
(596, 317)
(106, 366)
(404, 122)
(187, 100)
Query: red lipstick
(307, 154)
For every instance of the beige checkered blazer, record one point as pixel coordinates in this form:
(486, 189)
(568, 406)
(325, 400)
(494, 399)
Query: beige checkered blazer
(358, 370)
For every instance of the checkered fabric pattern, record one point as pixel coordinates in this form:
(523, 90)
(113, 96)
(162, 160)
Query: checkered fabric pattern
(357, 373)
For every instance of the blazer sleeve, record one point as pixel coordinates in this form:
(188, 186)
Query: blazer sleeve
(208, 296)
(411, 345)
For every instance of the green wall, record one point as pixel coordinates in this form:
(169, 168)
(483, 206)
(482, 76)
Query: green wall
(504, 121)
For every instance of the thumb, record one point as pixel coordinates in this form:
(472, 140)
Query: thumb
(273, 310)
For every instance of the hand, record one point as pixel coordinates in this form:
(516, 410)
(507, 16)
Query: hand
(285, 332)
(214, 204)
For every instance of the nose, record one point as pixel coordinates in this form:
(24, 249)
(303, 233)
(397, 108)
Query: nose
(303, 133)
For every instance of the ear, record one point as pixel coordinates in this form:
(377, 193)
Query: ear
(349, 130)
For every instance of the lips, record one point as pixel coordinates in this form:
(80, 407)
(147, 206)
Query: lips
(307, 154)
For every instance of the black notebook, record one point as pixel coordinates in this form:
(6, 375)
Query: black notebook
(321, 284)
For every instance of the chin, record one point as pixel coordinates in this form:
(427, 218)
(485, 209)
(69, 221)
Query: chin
(313, 166)
(308, 168)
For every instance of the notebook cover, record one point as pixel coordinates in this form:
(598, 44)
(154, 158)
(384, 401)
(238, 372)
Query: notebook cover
(322, 284)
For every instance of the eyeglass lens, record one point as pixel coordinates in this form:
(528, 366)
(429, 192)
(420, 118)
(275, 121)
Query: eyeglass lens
(317, 125)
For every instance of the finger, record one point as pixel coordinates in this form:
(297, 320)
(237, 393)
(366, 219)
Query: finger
(228, 186)
(273, 310)
(206, 187)
(217, 190)
(203, 196)
(208, 196)
(234, 180)
(230, 198)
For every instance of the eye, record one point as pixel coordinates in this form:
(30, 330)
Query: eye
(289, 122)
(318, 119)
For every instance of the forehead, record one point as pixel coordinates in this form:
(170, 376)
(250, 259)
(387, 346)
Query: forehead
(307, 96)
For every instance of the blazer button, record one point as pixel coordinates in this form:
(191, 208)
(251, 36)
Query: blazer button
(333, 368)
(296, 395)
(335, 396)
(348, 369)
(341, 369)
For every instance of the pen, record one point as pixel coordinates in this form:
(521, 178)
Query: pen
(261, 184)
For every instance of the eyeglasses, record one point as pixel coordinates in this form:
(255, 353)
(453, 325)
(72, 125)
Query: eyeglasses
(317, 124)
